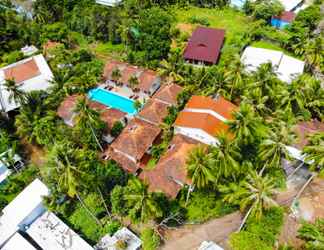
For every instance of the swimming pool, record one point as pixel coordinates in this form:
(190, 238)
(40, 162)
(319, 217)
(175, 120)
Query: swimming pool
(113, 100)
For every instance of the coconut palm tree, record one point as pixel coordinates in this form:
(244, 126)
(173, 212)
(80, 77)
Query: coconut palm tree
(314, 52)
(200, 166)
(88, 118)
(15, 93)
(133, 81)
(313, 234)
(116, 75)
(315, 151)
(142, 203)
(255, 193)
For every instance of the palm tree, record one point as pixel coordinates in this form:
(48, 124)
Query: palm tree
(314, 52)
(225, 157)
(315, 151)
(88, 118)
(246, 125)
(133, 81)
(273, 148)
(116, 75)
(313, 234)
(15, 93)
(200, 166)
(141, 202)
(255, 192)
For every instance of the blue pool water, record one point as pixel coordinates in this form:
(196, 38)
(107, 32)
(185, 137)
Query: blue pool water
(113, 100)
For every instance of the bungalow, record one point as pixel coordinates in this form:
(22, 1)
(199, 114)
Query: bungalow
(133, 145)
(283, 20)
(22, 211)
(156, 109)
(108, 115)
(203, 118)
(29, 74)
(148, 81)
(170, 173)
(204, 46)
(286, 67)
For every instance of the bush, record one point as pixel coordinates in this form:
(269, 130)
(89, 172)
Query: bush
(247, 241)
(150, 239)
(204, 205)
(12, 57)
(199, 20)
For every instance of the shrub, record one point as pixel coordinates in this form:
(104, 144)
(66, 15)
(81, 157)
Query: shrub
(116, 128)
(199, 20)
(12, 57)
(150, 239)
(247, 241)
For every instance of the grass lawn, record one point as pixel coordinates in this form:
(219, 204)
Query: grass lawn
(266, 45)
(229, 19)
(107, 50)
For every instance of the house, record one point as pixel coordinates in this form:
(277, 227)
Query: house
(110, 3)
(133, 145)
(283, 20)
(204, 46)
(170, 173)
(156, 109)
(123, 236)
(29, 74)
(209, 245)
(203, 118)
(148, 81)
(50, 233)
(23, 210)
(17, 242)
(286, 67)
(108, 115)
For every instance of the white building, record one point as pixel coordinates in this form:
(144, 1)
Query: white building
(123, 236)
(291, 5)
(111, 3)
(29, 50)
(209, 245)
(18, 242)
(23, 210)
(30, 74)
(50, 233)
(204, 118)
(286, 67)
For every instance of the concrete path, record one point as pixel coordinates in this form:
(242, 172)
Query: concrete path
(190, 237)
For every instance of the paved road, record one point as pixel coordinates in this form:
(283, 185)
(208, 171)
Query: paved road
(190, 237)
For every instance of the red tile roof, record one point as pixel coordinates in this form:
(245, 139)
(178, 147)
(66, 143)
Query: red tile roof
(136, 138)
(22, 71)
(286, 16)
(125, 163)
(305, 129)
(205, 44)
(219, 105)
(168, 93)
(203, 121)
(128, 72)
(154, 111)
(146, 80)
(66, 108)
(50, 44)
(171, 167)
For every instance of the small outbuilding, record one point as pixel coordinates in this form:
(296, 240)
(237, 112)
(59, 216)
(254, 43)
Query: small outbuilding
(283, 20)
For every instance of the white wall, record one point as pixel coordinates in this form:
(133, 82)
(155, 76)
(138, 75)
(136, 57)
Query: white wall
(197, 134)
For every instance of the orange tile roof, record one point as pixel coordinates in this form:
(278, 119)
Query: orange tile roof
(111, 66)
(146, 80)
(305, 129)
(168, 93)
(136, 138)
(154, 111)
(205, 122)
(171, 167)
(125, 163)
(128, 72)
(219, 105)
(66, 108)
(22, 71)
(50, 44)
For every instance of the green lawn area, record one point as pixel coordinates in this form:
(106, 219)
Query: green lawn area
(266, 45)
(229, 19)
(108, 49)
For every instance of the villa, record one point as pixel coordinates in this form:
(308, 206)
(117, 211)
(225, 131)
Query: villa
(132, 147)
(203, 118)
(204, 46)
(283, 20)
(148, 81)
(29, 74)
(287, 68)
(108, 115)
(170, 173)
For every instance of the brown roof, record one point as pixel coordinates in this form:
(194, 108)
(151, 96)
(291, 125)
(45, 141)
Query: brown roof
(146, 80)
(286, 16)
(203, 121)
(154, 111)
(22, 71)
(171, 167)
(205, 44)
(65, 110)
(218, 105)
(111, 66)
(305, 129)
(123, 161)
(128, 72)
(110, 116)
(136, 138)
(168, 93)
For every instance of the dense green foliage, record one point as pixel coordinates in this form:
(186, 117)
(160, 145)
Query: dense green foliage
(150, 239)
(313, 234)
